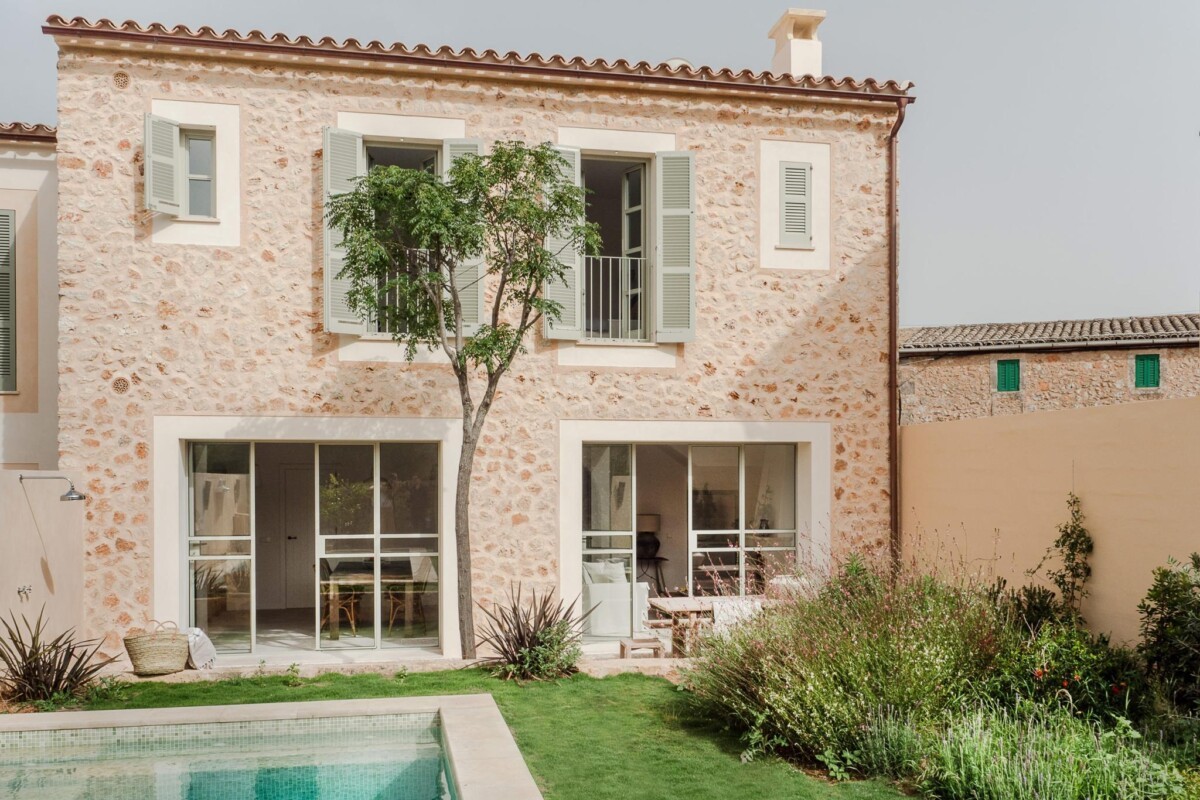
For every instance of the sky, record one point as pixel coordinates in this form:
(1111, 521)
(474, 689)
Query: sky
(1049, 168)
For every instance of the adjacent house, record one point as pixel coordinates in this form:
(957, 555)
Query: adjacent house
(716, 402)
(28, 297)
(966, 371)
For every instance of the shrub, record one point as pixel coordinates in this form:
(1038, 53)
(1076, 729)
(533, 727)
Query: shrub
(1062, 664)
(1171, 631)
(534, 641)
(805, 678)
(1047, 754)
(37, 669)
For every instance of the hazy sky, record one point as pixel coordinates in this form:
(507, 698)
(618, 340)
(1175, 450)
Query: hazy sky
(1050, 167)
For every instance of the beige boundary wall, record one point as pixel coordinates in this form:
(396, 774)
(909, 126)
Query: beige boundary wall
(41, 547)
(989, 493)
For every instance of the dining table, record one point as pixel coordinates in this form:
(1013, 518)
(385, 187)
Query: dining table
(688, 616)
(354, 577)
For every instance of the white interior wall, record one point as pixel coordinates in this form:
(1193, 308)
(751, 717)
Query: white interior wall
(662, 489)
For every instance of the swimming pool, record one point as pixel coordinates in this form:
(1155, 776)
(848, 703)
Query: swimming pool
(391, 749)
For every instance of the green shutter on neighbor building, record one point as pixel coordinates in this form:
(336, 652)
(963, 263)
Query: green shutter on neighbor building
(1146, 371)
(1008, 375)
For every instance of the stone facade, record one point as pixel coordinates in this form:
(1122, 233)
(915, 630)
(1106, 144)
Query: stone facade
(941, 387)
(211, 330)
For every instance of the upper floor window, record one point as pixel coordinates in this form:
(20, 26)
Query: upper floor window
(346, 156)
(199, 158)
(180, 172)
(1146, 371)
(615, 283)
(642, 285)
(1008, 375)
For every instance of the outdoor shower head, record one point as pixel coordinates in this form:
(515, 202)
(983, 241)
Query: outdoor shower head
(71, 494)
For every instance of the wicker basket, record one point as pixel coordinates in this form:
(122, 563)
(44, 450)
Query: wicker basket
(160, 651)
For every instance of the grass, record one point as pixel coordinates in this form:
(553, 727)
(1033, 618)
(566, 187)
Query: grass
(619, 738)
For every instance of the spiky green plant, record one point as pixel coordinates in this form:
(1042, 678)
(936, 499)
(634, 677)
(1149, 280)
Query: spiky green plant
(37, 668)
(538, 640)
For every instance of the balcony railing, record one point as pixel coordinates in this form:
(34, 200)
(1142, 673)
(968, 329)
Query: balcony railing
(616, 299)
(418, 262)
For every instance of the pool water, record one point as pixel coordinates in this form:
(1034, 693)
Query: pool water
(378, 757)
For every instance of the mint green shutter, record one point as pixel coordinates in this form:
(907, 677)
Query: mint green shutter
(162, 155)
(343, 161)
(795, 204)
(569, 325)
(468, 276)
(675, 257)
(8, 300)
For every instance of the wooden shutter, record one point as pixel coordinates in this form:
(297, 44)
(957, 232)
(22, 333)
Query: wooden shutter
(343, 161)
(1008, 375)
(795, 204)
(1146, 371)
(8, 300)
(162, 155)
(675, 233)
(468, 276)
(566, 292)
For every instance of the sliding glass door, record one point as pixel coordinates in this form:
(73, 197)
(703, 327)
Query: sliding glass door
(370, 532)
(377, 547)
(221, 543)
(743, 516)
(609, 588)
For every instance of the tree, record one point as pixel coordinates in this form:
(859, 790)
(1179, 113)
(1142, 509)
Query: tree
(417, 245)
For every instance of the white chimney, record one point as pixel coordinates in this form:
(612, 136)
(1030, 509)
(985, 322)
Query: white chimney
(797, 48)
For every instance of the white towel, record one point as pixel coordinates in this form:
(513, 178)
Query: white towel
(201, 653)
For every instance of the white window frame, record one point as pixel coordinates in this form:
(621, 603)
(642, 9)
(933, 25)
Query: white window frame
(186, 176)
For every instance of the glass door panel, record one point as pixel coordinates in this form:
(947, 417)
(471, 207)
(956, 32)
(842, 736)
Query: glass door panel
(347, 601)
(220, 543)
(409, 592)
(608, 504)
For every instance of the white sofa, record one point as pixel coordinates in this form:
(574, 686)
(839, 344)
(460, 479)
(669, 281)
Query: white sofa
(606, 590)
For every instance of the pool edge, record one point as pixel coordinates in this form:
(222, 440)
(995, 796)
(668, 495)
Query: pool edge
(482, 756)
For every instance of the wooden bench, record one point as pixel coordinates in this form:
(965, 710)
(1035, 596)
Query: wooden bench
(653, 645)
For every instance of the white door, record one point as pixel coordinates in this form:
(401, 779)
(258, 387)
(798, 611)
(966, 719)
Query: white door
(299, 531)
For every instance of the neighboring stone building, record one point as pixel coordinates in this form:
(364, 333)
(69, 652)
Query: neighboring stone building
(263, 465)
(965, 371)
(28, 298)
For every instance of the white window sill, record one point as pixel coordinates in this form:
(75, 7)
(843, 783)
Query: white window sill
(796, 247)
(189, 218)
(383, 350)
(612, 343)
(619, 355)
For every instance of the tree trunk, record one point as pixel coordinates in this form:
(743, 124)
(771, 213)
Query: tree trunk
(462, 540)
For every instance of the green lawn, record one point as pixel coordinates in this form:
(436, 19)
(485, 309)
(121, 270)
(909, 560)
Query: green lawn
(584, 739)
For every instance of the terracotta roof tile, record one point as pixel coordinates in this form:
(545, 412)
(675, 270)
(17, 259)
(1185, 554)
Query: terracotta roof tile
(1061, 333)
(26, 132)
(418, 54)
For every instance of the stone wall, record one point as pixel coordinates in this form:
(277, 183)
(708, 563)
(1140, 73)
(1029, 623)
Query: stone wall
(963, 386)
(237, 330)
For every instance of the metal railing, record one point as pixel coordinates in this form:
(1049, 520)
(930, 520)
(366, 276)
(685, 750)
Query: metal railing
(616, 299)
(418, 262)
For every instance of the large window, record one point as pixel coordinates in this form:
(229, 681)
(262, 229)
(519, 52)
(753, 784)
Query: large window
(743, 512)
(348, 536)
(199, 157)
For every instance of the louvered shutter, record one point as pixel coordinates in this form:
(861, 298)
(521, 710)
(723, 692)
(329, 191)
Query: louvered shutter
(569, 325)
(468, 276)
(795, 204)
(162, 155)
(8, 300)
(343, 160)
(675, 264)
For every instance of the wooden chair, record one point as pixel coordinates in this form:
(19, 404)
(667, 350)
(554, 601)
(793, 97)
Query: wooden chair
(346, 602)
(399, 596)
